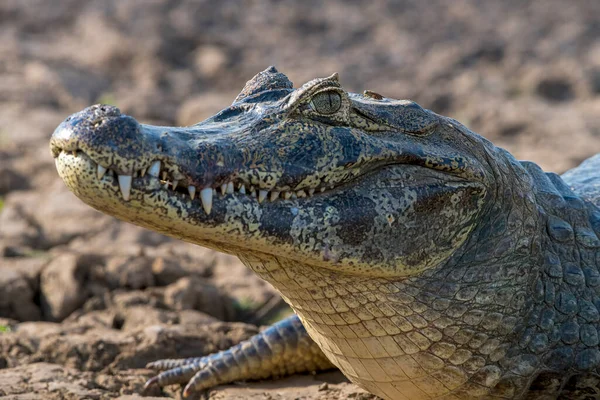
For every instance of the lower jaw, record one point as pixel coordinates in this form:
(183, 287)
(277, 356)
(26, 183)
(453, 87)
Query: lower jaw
(229, 225)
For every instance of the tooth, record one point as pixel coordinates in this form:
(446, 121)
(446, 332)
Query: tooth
(294, 196)
(287, 195)
(135, 174)
(192, 190)
(274, 195)
(101, 171)
(142, 172)
(322, 189)
(164, 175)
(243, 189)
(206, 195)
(223, 189)
(155, 169)
(166, 185)
(229, 188)
(125, 186)
(301, 193)
(74, 153)
(252, 192)
(111, 173)
(262, 195)
(214, 192)
(175, 183)
(311, 192)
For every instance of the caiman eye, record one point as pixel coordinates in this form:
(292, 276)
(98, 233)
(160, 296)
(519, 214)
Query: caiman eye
(327, 102)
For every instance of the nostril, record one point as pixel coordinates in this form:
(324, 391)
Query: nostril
(104, 110)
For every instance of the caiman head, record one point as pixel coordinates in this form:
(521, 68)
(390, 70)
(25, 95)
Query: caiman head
(355, 183)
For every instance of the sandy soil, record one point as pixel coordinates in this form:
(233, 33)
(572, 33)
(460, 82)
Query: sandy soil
(87, 301)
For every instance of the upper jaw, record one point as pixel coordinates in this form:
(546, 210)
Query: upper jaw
(197, 161)
(119, 150)
(173, 183)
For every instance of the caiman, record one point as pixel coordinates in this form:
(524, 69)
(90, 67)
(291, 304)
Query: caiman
(421, 260)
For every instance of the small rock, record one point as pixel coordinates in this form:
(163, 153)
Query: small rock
(17, 296)
(167, 271)
(129, 272)
(28, 267)
(63, 286)
(194, 293)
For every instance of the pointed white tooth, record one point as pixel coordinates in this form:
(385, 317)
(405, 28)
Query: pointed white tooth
(101, 171)
(229, 188)
(287, 195)
(175, 183)
(301, 193)
(243, 189)
(311, 192)
(155, 169)
(166, 185)
(322, 189)
(223, 189)
(214, 192)
(74, 153)
(294, 196)
(262, 195)
(142, 172)
(192, 190)
(134, 174)
(125, 186)
(274, 195)
(206, 195)
(164, 175)
(110, 172)
(253, 193)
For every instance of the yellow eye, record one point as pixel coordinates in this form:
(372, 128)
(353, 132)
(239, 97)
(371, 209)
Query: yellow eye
(327, 102)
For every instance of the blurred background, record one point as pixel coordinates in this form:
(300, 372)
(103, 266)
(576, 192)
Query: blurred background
(525, 74)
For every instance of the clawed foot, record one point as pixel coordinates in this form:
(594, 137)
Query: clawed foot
(284, 348)
(196, 373)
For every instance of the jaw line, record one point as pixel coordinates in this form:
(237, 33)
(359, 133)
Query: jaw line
(184, 219)
(174, 214)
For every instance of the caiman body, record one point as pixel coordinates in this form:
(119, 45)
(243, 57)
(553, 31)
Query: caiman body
(424, 262)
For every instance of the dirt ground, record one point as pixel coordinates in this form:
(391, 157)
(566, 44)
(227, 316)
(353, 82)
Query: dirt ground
(87, 301)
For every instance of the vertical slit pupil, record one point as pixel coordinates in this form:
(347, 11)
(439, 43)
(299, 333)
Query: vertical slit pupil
(327, 102)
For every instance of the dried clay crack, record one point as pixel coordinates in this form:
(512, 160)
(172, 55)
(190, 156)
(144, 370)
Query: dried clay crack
(206, 194)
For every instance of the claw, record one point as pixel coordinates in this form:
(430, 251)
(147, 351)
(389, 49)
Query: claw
(149, 383)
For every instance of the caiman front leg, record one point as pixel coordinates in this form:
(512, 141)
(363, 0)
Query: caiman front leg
(283, 349)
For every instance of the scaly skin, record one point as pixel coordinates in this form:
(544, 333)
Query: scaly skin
(424, 262)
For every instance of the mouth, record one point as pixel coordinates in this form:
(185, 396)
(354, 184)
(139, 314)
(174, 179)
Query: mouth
(304, 225)
(166, 179)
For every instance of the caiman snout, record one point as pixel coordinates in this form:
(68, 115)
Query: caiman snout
(96, 126)
(183, 159)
